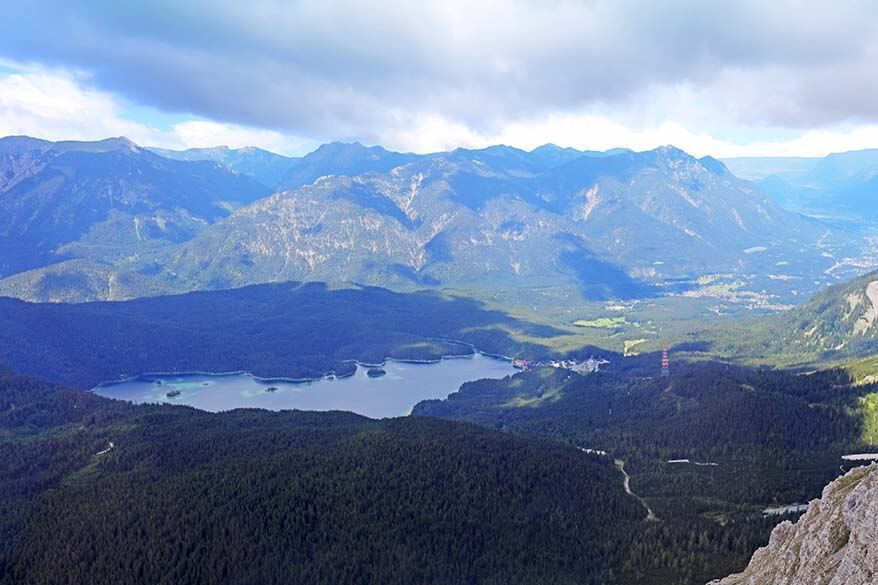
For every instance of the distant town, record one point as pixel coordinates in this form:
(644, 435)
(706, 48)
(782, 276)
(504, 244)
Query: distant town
(588, 366)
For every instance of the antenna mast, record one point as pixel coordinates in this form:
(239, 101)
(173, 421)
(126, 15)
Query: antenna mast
(666, 363)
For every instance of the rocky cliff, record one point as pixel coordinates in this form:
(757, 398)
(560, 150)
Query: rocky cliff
(834, 543)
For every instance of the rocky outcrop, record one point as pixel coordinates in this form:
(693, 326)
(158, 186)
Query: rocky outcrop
(834, 543)
(868, 319)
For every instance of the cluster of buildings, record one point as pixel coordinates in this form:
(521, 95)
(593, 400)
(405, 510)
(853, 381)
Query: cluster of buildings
(585, 367)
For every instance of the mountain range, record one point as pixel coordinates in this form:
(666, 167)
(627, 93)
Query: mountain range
(262, 165)
(103, 220)
(840, 185)
(612, 476)
(105, 201)
(478, 218)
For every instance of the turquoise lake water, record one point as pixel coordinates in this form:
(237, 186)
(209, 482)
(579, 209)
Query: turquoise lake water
(394, 394)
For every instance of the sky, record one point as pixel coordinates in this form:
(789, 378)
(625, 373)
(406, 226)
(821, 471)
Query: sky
(733, 78)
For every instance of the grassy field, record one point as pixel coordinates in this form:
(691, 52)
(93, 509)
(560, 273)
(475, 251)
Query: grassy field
(619, 326)
(697, 328)
(869, 404)
(603, 322)
(864, 371)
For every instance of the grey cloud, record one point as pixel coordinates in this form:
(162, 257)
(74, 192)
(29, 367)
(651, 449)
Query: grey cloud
(348, 69)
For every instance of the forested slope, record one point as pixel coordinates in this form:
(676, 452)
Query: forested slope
(183, 496)
(838, 324)
(744, 439)
(283, 330)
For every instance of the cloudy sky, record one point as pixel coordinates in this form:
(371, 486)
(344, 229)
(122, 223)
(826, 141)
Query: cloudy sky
(723, 78)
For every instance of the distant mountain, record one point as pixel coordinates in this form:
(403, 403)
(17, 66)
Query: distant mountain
(813, 171)
(338, 158)
(757, 168)
(616, 224)
(664, 211)
(551, 155)
(838, 185)
(847, 165)
(105, 200)
(266, 167)
(352, 159)
(611, 226)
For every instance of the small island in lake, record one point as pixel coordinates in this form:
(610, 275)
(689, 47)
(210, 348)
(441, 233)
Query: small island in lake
(375, 372)
(173, 393)
(271, 389)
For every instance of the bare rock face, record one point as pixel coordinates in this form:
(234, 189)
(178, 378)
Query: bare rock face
(834, 543)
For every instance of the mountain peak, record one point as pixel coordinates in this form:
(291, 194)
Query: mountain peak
(339, 146)
(343, 159)
(122, 143)
(18, 144)
(22, 143)
(115, 144)
(221, 148)
(714, 165)
(671, 151)
(550, 147)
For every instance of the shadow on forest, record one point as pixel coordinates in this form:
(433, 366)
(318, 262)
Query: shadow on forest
(290, 329)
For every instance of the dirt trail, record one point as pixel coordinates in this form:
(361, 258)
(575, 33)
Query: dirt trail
(650, 515)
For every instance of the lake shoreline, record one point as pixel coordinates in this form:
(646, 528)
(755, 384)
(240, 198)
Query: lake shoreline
(326, 375)
(402, 384)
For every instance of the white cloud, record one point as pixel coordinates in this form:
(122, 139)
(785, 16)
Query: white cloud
(56, 104)
(592, 131)
(334, 68)
(431, 133)
(204, 133)
(816, 143)
(59, 105)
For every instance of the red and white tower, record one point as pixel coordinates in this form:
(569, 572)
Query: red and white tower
(666, 363)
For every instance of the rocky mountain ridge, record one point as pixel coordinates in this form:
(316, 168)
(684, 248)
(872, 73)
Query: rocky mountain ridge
(834, 543)
(612, 226)
(840, 185)
(104, 200)
(262, 165)
(618, 224)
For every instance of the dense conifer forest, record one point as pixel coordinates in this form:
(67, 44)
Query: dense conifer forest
(282, 330)
(102, 491)
(316, 497)
(97, 491)
(742, 440)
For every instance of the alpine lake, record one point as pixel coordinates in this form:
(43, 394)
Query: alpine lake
(389, 390)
